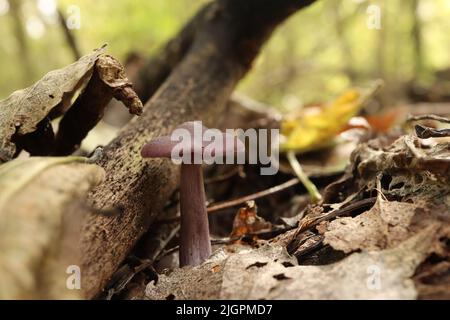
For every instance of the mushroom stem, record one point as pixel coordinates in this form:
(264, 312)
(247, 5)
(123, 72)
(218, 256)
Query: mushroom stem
(195, 245)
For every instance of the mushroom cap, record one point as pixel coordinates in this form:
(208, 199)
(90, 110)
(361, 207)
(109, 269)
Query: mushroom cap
(162, 147)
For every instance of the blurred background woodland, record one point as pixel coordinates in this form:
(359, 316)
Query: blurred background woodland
(314, 56)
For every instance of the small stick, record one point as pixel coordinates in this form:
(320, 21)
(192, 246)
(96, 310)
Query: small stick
(309, 249)
(239, 201)
(255, 196)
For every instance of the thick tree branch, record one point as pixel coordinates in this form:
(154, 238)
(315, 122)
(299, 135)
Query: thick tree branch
(159, 67)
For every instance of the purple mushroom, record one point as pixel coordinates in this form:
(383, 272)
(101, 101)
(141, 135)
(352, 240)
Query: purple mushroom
(195, 244)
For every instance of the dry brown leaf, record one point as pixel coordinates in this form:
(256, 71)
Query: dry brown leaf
(270, 273)
(407, 153)
(21, 112)
(112, 73)
(25, 115)
(40, 199)
(383, 122)
(384, 226)
(108, 81)
(247, 221)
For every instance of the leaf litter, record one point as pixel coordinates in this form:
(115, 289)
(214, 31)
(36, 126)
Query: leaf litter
(392, 246)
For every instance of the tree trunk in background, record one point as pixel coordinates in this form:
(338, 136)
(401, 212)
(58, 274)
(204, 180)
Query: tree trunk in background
(339, 25)
(159, 67)
(228, 39)
(417, 38)
(68, 34)
(381, 55)
(21, 37)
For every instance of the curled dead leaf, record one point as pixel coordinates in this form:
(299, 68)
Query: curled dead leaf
(26, 114)
(247, 222)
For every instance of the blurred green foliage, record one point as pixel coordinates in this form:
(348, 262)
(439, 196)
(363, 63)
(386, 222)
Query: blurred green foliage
(315, 55)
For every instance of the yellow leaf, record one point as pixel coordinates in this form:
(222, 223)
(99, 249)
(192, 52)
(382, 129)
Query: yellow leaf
(316, 128)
